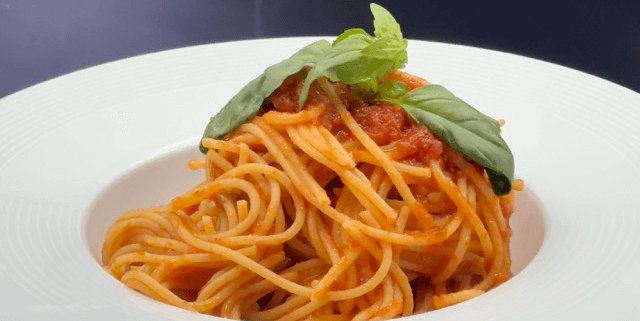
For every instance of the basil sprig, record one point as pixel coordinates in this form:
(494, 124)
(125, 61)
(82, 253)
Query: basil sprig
(247, 102)
(357, 58)
(465, 129)
(360, 59)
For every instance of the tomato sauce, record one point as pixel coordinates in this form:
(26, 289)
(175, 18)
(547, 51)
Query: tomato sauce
(386, 124)
(285, 97)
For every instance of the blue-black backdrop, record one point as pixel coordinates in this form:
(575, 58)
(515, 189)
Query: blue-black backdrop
(42, 39)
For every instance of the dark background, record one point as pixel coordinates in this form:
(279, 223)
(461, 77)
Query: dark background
(40, 40)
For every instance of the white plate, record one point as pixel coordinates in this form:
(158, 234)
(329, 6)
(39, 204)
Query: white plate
(574, 137)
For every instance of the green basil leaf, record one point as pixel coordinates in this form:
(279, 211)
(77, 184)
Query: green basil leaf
(383, 23)
(360, 59)
(465, 129)
(344, 61)
(391, 90)
(249, 99)
(349, 32)
(388, 48)
(388, 91)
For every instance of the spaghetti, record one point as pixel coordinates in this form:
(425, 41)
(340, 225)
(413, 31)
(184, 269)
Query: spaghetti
(344, 210)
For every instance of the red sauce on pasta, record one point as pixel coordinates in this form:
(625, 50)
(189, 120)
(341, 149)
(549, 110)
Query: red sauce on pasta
(385, 123)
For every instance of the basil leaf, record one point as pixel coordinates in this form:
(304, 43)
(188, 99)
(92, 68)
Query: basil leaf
(470, 132)
(390, 90)
(387, 48)
(360, 59)
(383, 23)
(249, 99)
(347, 33)
(356, 60)
(344, 61)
